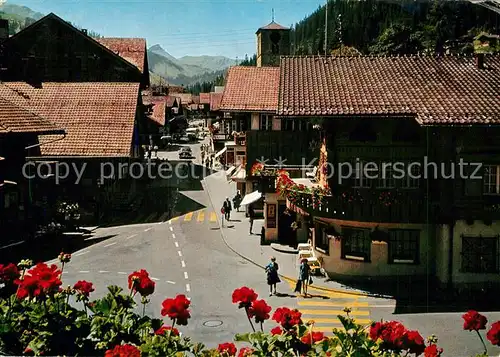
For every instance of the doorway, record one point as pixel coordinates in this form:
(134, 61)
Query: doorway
(286, 235)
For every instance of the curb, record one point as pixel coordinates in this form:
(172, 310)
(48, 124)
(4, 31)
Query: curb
(223, 236)
(285, 251)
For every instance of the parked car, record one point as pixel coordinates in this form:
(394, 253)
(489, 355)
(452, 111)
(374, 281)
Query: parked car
(185, 155)
(186, 149)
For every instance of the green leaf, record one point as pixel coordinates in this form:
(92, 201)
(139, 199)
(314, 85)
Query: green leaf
(242, 337)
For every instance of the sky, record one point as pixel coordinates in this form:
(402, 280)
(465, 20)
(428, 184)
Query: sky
(181, 27)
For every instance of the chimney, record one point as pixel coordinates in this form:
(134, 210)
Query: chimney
(4, 29)
(84, 31)
(480, 60)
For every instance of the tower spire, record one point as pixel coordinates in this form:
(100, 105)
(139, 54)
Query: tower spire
(273, 14)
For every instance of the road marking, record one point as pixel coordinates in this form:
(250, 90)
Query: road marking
(176, 244)
(148, 229)
(188, 217)
(175, 219)
(109, 245)
(186, 275)
(173, 235)
(12, 244)
(188, 288)
(103, 271)
(84, 271)
(201, 216)
(336, 321)
(170, 222)
(334, 312)
(122, 272)
(171, 229)
(78, 254)
(170, 282)
(183, 263)
(132, 236)
(393, 306)
(332, 304)
(155, 279)
(180, 253)
(213, 217)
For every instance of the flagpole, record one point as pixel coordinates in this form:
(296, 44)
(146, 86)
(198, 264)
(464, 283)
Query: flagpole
(326, 28)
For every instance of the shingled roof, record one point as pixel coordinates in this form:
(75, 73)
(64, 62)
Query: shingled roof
(204, 98)
(131, 49)
(215, 101)
(251, 89)
(14, 119)
(433, 90)
(98, 117)
(273, 26)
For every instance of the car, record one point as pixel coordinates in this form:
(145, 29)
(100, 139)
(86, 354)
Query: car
(186, 149)
(184, 155)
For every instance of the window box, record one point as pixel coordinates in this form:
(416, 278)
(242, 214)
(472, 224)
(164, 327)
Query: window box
(404, 246)
(352, 257)
(404, 261)
(356, 244)
(480, 254)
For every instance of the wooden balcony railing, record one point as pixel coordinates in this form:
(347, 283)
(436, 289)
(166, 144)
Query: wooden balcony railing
(410, 207)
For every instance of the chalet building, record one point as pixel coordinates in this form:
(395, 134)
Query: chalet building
(397, 215)
(51, 50)
(19, 131)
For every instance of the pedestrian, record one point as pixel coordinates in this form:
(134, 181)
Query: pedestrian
(202, 156)
(227, 209)
(272, 276)
(305, 275)
(251, 216)
(237, 201)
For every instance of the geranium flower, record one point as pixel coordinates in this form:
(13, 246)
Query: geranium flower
(287, 318)
(177, 309)
(474, 321)
(39, 280)
(276, 331)
(228, 348)
(8, 273)
(123, 351)
(84, 287)
(311, 338)
(246, 352)
(414, 342)
(140, 282)
(392, 334)
(493, 335)
(433, 351)
(244, 296)
(260, 310)
(164, 329)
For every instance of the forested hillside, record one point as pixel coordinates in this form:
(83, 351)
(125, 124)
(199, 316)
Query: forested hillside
(374, 26)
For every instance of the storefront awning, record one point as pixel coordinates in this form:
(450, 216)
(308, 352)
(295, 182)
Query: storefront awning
(251, 198)
(296, 209)
(220, 152)
(230, 171)
(240, 175)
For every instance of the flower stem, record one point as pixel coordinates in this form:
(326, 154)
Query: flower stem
(143, 309)
(482, 341)
(262, 326)
(249, 319)
(170, 332)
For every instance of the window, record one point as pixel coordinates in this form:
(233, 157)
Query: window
(491, 180)
(266, 122)
(363, 175)
(385, 176)
(479, 254)
(404, 246)
(413, 180)
(356, 244)
(322, 241)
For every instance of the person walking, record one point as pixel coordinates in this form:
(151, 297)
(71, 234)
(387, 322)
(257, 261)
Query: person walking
(227, 209)
(304, 275)
(236, 201)
(272, 276)
(251, 215)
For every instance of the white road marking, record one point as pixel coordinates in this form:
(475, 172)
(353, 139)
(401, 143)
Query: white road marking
(148, 229)
(180, 253)
(82, 253)
(186, 275)
(173, 235)
(170, 222)
(109, 245)
(171, 229)
(132, 236)
(160, 222)
(188, 289)
(122, 272)
(103, 271)
(170, 282)
(155, 279)
(12, 244)
(176, 244)
(183, 263)
(84, 271)
(393, 306)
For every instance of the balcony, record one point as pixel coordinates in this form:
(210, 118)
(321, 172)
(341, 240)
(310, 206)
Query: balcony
(408, 207)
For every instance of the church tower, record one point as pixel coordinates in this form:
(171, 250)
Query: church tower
(273, 41)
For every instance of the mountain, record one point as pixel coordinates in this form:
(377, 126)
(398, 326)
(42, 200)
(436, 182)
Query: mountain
(21, 11)
(186, 70)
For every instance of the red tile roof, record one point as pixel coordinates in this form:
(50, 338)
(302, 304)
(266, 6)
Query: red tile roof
(131, 49)
(434, 90)
(273, 26)
(14, 119)
(186, 98)
(196, 99)
(171, 100)
(175, 89)
(204, 98)
(251, 89)
(98, 117)
(158, 115)
(215, 101)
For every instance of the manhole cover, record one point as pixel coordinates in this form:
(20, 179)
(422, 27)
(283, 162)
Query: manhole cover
(212, 323)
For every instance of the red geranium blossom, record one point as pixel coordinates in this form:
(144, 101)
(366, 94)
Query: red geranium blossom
(39, 280)
(246, 352)
(84, 287)
(474, 321)
(287, 318)
(260, 310)
(228, 348)
(392, 333)
(414, 342)
(313, 337)
(8, 273)
(493, 335)
(277, 331)
(164, 329)
(433, 351)
(123, 351)
(244, 296)
(177, 309)
(140, 282)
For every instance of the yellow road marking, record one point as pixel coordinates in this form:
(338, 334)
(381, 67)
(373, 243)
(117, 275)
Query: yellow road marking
(213, 217)
(188, 216)
(326, 329)
(332, 304)
(201, 216)
(334, 312)
(321, 292)
(175, 219)
(336, 321)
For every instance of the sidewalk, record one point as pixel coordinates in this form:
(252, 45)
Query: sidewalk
(235, 234)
